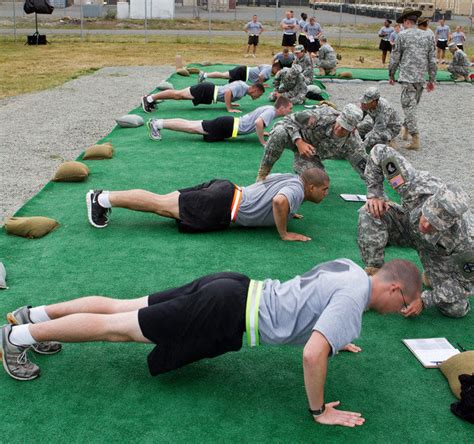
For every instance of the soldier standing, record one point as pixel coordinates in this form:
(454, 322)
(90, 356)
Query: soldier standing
(414, 54)
(315, 135)
(433, 218)
(305, 61)
(290, 83)
(381, 123)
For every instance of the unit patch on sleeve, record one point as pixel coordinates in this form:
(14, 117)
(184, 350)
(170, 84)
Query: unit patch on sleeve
(392, 172)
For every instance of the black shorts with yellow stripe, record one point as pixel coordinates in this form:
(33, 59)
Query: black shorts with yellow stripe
(218, 129)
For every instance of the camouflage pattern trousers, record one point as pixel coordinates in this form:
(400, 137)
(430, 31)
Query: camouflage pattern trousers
(280, 140)
(394, 228)
(375, 137)
(411, 95)
(458, 71)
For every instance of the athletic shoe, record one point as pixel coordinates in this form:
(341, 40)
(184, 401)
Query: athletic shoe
(253, 55)
(153, 130)
(15, 359)
(98, 215)
(22, 316)
(147, 106)
(202, 76)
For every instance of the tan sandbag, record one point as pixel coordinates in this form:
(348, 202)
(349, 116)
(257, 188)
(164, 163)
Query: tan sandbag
(345, 75)
(328, 103)
(99, 152)
(71, 172)
(460, 364)
(472, 59)
(30, 227)
(183, 72)
(192, 70)
(206, 63)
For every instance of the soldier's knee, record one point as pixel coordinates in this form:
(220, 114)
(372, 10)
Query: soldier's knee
(457, 309)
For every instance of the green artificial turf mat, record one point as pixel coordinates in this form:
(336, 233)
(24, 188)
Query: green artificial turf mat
(381, 74)
(102, 392)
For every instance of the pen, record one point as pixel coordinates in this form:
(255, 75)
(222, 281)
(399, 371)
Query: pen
(436, 362)
(461, 347)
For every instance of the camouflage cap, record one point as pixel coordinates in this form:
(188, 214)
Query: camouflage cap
(350, 116)
(445, 207)
(452, 45)
(409, 14)
(423, 20)
(298, 48)
(370, 95)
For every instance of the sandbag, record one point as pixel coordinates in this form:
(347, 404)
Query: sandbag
(192, 70)
(130, 121)
(345, 75)
(163, 86)
(71, 172)
(183, 72)
(460, 364)
(30, 227)
(99, 152)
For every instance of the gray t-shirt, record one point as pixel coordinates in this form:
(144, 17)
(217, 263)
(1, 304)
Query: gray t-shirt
(238, 88)
(264, 70)
(285, 62)
(254, 28)
(330, 298)
(256, 208)
(247, 122)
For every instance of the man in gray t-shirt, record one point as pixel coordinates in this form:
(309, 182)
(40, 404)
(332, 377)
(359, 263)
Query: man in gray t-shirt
(321, 309)
(217, 204)
(256, 74)
(224, 127)
(206, 93)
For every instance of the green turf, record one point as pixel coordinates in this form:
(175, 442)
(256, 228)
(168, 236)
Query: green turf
(376, 74)
(103, 392)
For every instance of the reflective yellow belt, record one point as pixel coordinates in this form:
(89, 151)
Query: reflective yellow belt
(235, 129)
(247, 74)
(251, 313)
(214, 99)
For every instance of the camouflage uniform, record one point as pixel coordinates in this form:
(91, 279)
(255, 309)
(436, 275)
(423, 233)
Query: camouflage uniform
(306, 63)
(290, 82)
(459, 67)
(326, 58)
(318, 133)
(414, 53)
(380, 125)
(447, 254)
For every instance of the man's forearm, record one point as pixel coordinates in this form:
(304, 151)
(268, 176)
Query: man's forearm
(315, 369)
(280, 215)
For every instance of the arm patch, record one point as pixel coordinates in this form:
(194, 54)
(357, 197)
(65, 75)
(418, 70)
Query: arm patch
(465, 265)
(392, 172)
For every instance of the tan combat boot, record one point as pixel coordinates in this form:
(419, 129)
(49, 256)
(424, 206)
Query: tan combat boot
(426, 280)
(371, 270)
(404, 133)
(415, 142)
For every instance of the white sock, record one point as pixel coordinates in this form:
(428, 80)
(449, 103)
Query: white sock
(38, 314)
(149, 99)
(159, 123)
(103, 200)
(21, 336)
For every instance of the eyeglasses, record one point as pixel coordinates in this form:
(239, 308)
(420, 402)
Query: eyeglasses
(403, 297)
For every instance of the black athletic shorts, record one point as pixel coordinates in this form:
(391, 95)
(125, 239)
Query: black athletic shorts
(253, 40)
(385, 46)
(303, 40)
(218, 129)
(288, 40)
(461, 47)
(313, 46)
(442, 44)
(203, 319)
(203, 93)
(205, 207)
(238, 73)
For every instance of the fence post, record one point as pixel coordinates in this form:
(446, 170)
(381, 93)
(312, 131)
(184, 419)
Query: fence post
(14, 20)
(209, 6)
(146, 21)
(340, 23)
(82, 23)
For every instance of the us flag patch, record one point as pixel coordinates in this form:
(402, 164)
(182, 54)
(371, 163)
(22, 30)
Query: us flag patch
(396, 181)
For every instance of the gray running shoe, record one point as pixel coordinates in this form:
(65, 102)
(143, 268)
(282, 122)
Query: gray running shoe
(22, 316)
(15, 359)
(153, 131)
(202, 76)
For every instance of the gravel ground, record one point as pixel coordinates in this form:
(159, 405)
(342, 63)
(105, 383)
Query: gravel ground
(45, 128)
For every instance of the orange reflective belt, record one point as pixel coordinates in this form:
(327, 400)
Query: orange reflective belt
(234, 209)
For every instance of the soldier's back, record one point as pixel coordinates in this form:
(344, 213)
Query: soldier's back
(415, 46)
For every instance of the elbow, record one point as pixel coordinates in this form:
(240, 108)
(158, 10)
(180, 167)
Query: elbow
(279, 201)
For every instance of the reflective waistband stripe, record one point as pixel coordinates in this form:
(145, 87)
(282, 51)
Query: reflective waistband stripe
(234, 209)
(214, 98)
(247, 74)
(251, 313)
(235, 129)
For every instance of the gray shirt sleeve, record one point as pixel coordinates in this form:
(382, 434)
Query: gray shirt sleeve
(295, 196)
(340, 322)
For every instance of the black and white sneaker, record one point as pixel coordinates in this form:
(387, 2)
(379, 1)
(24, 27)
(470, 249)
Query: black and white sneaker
(147, 106)
(153, 130)
(98, 216)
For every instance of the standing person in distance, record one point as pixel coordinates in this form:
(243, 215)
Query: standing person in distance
(253, 29)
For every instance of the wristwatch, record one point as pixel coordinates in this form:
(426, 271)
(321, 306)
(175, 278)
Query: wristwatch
(318, 412)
